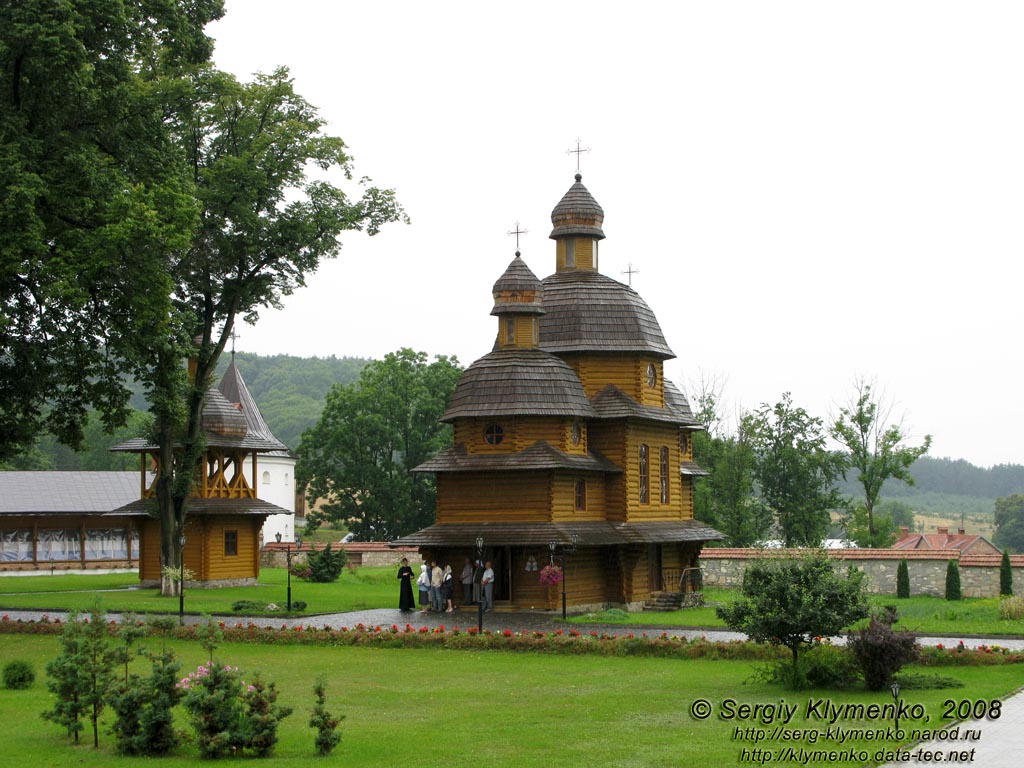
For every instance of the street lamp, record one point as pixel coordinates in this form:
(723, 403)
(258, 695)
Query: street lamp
(480, 602)
(181, 580)
(895, 688)
(288, 556)
(574, 538)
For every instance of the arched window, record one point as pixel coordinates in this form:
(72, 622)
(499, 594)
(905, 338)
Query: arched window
(286, 478)
(581, 494)
(645, 474)
(266, 478)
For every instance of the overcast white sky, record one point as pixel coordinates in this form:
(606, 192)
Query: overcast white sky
(811, 191)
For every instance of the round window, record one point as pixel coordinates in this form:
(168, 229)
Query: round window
(494, 434)
(652, 375)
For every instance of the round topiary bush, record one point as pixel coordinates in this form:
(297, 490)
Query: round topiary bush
(18, 675)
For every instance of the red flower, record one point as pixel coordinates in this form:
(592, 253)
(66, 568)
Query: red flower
(507, 633)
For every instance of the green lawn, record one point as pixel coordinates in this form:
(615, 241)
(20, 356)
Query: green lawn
(926, 615)
(427, 707)
(355, 590)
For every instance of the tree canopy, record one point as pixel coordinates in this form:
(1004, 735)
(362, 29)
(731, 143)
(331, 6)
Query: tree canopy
(791, 601)
(1009, 517)
(875, 447)
(358, 456)
(795, 471)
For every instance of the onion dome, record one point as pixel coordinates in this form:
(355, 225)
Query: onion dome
(517, 291)
(588, 312)
(577, 213)
(518, 382)
(222, 418)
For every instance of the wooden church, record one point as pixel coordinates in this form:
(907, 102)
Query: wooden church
(570, 446)
(225, 514)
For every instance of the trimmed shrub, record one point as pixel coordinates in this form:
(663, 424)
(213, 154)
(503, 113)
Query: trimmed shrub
(262, 716)
(1005, 575)
(18, 675)
(881, 651)
(953, 581)
(326, 565)
(903, 580)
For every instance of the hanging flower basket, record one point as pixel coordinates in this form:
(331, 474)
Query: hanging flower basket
(551, 575)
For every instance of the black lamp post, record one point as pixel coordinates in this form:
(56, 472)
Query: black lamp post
(480, 602)
(288, 556)
(561, 559)
(895, 688)
(181, 581)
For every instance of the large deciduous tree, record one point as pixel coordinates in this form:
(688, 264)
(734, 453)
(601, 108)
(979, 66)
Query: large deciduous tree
(264, 225)
(371, 433)
(795, 470)
(876, 447)
(92, 199)
(1009, 518)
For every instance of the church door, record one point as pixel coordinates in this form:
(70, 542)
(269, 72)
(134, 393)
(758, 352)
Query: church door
(654, 567)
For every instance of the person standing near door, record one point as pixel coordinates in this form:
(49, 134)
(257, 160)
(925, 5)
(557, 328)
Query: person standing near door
(487, 584)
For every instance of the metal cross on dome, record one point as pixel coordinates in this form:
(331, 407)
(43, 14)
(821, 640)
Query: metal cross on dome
(630, 272)
(578, 151)
(517, 232)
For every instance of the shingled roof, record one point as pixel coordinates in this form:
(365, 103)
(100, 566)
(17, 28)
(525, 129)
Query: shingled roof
(232, 386)
(577, 213)
(518, 382)
(225, 426)
(676, 401)
(588, 312)
(540, 455)
(597, 533)
(612, 403)
(517, 291)
(211, 507)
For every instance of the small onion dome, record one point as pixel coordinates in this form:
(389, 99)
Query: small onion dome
(221, 417)
(577, 213)
(518, 382)
(517, 291)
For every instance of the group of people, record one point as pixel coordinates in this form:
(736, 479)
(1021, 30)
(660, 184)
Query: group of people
(436, 585)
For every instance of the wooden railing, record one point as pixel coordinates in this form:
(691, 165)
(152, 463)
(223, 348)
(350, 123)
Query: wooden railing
(682, 579)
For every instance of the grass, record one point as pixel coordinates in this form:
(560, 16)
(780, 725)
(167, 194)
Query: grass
(366, 588)
(356, 590)
(925, 615)
(441, 708)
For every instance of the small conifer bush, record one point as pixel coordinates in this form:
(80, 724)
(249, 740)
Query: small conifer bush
(18, 675)
(1005, 575)
(903, 580)
(952, 581)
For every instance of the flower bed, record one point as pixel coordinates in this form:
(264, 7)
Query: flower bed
(569, 641)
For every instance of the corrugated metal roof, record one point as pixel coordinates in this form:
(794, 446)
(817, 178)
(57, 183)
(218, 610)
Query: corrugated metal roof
(53, 493)
(539, 456)
(518, 382)
(589, 312)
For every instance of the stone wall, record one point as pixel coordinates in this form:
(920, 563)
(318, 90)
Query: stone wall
(979, 574)
(370, 553)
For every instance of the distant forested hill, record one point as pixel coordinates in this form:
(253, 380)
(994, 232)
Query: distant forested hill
(291, 391)
(950, 476)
